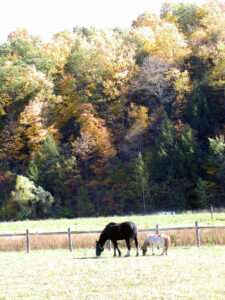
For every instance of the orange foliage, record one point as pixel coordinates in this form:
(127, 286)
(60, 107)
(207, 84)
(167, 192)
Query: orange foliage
(19, 33)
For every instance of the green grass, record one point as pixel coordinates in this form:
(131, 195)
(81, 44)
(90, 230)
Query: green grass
(186, 273)
(147, 221)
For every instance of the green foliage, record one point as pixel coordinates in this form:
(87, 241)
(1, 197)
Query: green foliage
(84, 206)
(201, 189)
(28, 53)
(32, 171)
(201, 109)
(216, 160)
(141, 178)
(162, 157)
(32, 201)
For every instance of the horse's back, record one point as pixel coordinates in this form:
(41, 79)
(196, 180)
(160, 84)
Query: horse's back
(121, 231)
(156, 239)
(128, 228)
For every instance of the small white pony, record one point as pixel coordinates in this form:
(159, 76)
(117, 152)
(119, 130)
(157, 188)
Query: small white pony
(156, 240)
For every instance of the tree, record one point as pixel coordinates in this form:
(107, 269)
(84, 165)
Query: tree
(32, 202)
(200, 111)
(85, 66)
(162, 161)
(155, 80)
(201, 190)
(138, 117)
(188, 16)
(95, 140)
(216, 160)
(141, 178)
(166, 41)
(84, 206)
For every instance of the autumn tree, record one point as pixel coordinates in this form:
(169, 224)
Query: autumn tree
(155, 81)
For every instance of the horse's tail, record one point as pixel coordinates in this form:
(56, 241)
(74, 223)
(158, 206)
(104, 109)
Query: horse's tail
(167, 242)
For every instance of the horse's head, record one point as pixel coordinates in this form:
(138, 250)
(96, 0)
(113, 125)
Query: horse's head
(144, 252)
(99, 248)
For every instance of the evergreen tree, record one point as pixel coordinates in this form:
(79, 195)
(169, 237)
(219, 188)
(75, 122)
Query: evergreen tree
(200, 111)
(32, 171)
(84, 206)
(141, 178)
(216, 160)
(187, 155)
(162, 162)
(201, 191)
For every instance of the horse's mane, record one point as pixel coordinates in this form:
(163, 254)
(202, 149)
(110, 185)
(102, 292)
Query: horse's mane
(107, 227)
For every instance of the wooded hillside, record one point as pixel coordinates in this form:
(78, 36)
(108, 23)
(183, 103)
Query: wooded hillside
(102, 122)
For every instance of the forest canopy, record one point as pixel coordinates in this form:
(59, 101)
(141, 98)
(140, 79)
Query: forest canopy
(117, 121)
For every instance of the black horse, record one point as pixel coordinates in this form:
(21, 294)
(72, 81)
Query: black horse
(124, 231)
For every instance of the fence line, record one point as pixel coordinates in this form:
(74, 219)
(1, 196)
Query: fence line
(27, 234)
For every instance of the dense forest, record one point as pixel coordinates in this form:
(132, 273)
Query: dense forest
(101, 122)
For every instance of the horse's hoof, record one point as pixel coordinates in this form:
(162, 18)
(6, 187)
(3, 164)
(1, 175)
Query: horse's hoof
(153, 253)
(127, 255)
(137, 254)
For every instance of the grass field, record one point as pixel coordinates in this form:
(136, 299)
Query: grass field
(147, 221)
(178, 238)
(186, 273)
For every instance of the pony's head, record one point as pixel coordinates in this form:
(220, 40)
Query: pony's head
(99, 248)
(144, 248)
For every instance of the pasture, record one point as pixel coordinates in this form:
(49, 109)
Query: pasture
(146, 221)
(178, 238)
(186, 273)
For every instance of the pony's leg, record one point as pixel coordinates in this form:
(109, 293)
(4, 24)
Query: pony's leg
(163, 248)
(166, 247)
(128, 247)
(136, 244)
(153, 249)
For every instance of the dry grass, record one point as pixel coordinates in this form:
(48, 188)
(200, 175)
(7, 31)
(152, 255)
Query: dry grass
(186, 273)
(178, 238)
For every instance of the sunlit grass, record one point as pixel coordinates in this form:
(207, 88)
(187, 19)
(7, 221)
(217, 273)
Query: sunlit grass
(186, 273)
(146, 221)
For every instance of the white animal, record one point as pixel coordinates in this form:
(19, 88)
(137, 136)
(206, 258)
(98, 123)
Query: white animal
(156, 240)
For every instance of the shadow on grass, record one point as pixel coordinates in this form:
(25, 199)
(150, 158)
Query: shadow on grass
(93, 257)
(90, 257)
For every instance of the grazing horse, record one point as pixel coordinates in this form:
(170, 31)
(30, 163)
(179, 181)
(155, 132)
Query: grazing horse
(123, 231)
(156, 240)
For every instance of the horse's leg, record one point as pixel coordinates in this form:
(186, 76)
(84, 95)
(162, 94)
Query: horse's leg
(136, 244)
(128, 247)
(116, 245)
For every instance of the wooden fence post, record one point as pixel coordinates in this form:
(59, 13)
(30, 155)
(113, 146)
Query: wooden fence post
(197, 234)
(157, 232)
(211, 212)
(70, 240)
(28, 241)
